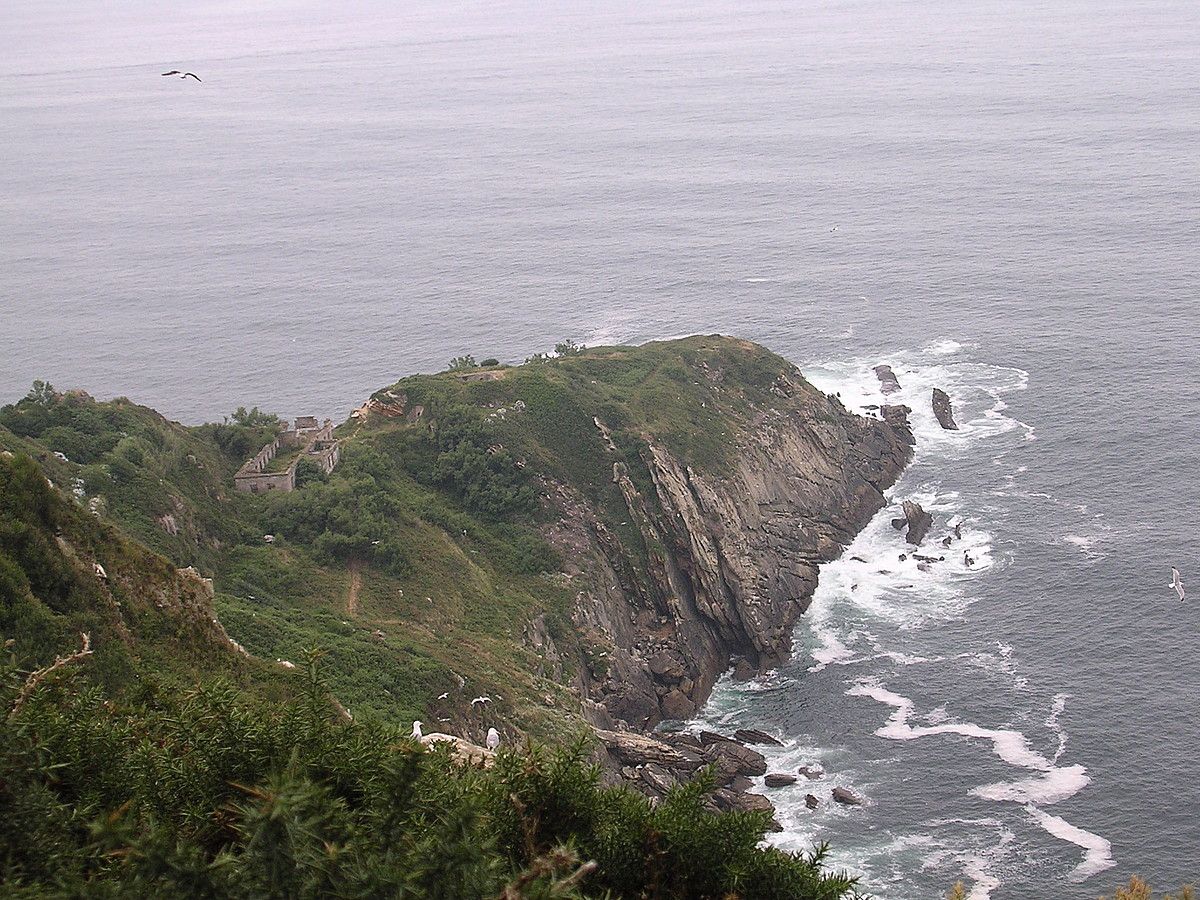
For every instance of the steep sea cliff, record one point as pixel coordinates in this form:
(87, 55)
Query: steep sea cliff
(590, 538)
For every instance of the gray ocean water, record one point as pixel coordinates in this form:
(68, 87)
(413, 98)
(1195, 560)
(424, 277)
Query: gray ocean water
(999, 198)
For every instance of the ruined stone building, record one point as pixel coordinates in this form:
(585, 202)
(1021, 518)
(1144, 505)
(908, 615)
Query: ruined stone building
(316, 443)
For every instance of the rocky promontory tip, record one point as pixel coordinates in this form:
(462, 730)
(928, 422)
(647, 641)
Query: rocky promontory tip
(737, 540)
(943, 410)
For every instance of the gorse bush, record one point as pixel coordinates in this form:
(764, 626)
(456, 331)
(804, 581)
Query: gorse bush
(341, 520)
(208, 795)
(1140, 890)
(479, 472)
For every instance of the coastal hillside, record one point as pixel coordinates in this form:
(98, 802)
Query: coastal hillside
(568, 551)
(592, 536)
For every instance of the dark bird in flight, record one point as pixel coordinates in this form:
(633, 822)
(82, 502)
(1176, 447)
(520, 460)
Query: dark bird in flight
(182, 74)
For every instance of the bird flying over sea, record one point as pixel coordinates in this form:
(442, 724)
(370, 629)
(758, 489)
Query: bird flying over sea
(182, 74)
(1177, 583)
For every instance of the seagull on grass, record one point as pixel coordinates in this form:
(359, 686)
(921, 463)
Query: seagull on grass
(416, 732)
(182, 74)
(493, 739)
(1177, 583)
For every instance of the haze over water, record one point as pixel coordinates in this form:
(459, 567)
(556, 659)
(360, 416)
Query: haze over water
(999, 198)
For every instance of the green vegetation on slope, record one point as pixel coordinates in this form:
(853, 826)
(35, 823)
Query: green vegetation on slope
(420, 560)
(211, 796)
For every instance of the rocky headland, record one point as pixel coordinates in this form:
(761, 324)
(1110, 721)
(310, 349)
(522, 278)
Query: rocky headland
(589, 538)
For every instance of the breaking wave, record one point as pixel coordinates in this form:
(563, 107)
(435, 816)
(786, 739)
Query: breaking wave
(876, 614)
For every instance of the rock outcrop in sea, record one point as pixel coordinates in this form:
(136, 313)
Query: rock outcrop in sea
(888, 383)
(943, 410)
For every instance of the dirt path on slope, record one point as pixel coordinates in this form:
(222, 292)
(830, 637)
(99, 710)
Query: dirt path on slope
(355, 587)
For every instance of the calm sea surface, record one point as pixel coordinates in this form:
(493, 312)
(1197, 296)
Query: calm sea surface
(999, 198)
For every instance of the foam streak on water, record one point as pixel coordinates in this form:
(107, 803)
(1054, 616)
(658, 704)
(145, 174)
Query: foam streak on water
(876, 615)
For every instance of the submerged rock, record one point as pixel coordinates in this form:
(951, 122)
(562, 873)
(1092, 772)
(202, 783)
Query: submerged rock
(943, 410)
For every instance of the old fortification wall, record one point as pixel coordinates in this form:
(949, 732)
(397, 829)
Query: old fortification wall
(319, 445)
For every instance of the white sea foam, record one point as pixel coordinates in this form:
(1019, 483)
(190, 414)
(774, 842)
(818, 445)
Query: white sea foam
(944, 348)
(1010, 745)
(870, 591)
(984, 882)
(1054, 786)
(1052, 722)
(976, 391)
(1097, 852)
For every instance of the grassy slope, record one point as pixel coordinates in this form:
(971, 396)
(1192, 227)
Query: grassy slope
(150, 627)
(410, 576)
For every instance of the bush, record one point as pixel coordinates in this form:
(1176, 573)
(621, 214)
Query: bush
(479, 472)
(206, 795)
(342, 519)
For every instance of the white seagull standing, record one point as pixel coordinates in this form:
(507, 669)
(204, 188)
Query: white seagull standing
(493, 739)
(1177, 583)
(416, 732)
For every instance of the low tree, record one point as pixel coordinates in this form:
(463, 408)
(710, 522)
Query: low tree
(42, 393)
(458, 363)
(252, 417)
(568, 348)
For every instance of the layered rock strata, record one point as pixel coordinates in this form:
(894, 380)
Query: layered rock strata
(730, 562)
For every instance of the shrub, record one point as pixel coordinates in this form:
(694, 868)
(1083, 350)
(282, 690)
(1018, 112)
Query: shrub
(568, 348)
(205, 794)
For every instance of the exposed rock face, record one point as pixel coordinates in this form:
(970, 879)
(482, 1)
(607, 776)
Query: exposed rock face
(943, 410)
(726, 561)
(461, 749)
(754, 736)
(653, 765)
(731, 556)
(811, 801)
(918, 521)
(779, 779)
(888, 382)
(737, 760)
(846, 796)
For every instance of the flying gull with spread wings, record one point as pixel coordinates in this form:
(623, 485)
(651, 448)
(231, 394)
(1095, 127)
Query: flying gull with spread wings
(182, 74)
(1177, 583)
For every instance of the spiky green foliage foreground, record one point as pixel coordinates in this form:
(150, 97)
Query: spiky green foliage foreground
(208, 795)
